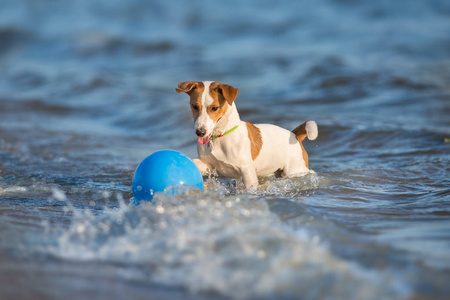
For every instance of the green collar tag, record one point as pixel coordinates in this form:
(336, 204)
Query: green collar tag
(225, 133)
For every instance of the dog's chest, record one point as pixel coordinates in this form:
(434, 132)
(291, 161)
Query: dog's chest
(222, 161)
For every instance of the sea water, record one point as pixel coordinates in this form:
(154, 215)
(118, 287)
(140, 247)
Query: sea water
(87, 90)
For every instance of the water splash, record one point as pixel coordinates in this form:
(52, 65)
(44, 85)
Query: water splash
(214, 242)
(290, 187)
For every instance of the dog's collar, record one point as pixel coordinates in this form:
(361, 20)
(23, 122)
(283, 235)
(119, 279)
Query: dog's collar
(225, 133)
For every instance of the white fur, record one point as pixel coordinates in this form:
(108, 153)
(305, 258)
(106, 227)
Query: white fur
(231, 156)
(280, 150)
(311, 130)
(204, 121)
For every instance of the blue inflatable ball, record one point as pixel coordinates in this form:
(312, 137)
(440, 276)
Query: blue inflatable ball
(162, 169)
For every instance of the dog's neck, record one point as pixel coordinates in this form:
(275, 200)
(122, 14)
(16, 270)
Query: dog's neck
(229, 120)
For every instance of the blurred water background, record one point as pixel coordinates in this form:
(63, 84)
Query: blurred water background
(87, 92)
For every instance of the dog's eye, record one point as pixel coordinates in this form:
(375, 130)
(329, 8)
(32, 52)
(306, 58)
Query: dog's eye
(214, 108)
(195, 107)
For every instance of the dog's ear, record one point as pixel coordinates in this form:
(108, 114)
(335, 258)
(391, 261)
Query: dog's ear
(227, 91)
(187, 87)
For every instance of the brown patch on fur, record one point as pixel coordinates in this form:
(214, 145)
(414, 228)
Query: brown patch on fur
(219, 106)
(220, 92)
(195, 90)
(224, 91)
(300, 133)
(254, 135)
(189, 86)
(305, 155)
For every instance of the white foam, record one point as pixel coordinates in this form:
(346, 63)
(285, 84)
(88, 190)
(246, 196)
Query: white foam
(210, 242)
(290, 187)
(12, 190)
(58, 194)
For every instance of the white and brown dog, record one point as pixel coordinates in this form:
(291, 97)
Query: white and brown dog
(238, 149)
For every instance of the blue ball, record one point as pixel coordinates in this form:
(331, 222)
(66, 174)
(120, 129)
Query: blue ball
(164, 169)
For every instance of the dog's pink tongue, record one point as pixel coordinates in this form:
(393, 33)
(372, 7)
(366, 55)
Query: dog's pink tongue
(203, 140)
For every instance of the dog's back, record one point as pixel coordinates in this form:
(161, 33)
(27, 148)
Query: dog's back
(283, 149)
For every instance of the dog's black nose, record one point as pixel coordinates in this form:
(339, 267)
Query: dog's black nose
(200, 132)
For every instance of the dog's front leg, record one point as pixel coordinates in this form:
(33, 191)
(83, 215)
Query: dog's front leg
(205, 169)
(250, 178)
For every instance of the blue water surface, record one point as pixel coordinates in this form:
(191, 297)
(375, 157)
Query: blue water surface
(87, 91)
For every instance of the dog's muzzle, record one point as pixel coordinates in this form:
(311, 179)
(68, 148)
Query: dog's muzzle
(200, 132)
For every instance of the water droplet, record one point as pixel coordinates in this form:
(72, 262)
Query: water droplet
(80, 228)
(160, 209)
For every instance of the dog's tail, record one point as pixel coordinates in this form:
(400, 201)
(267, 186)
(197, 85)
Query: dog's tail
(308, 129)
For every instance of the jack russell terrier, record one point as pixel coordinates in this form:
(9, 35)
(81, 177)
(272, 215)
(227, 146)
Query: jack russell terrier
(238, 149)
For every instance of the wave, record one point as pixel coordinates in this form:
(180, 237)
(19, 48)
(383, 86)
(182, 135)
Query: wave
(211, 243)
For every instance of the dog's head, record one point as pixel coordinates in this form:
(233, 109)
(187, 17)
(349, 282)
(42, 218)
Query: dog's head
(209, 102)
